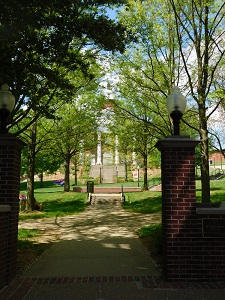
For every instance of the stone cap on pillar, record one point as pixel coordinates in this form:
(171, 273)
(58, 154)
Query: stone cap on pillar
(10, 139)
(177, 141)
(5, 208)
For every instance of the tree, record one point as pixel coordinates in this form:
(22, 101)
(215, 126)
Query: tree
(217, 132)
(122, 129)
(41, 42)
(180, 44)
(200, 31)
(140, 101)
(75, 130)
(38, 155)
(47, 160)
(134, 131)
(37, 138)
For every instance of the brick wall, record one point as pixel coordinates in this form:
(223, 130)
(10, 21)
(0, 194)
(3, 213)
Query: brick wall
(216, 157)
(208, 254)
(178, 204)
(4, 226)
(10, 153)
(187, 254)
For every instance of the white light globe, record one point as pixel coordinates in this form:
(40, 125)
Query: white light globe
(176, 101)
(7, 100)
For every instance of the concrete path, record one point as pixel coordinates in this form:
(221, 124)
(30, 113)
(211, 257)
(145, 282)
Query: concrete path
(97, 256)
(99, 242)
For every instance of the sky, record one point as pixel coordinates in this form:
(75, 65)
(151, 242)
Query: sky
(112, 13)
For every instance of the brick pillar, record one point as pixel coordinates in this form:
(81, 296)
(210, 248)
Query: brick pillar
(178, 205)
(10, 158)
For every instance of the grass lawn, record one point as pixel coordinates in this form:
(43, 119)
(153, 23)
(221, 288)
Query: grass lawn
(24, 243)
(56, 202)
(143, 202)
(217, 190)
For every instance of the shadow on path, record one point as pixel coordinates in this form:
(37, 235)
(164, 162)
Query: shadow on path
(97, 256)
(98, 242)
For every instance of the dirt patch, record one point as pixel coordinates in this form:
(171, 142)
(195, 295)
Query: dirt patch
(153, 251)
(26, 257)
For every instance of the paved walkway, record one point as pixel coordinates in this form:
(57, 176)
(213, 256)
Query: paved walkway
(98, 256)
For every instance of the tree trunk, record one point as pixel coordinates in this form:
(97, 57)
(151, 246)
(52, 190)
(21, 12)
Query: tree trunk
(67, 173)
(30, 188)
(30, 204)
(205, 180)
(75, 176)
(126, 177)
(75, 170)
(145, 160)
(41, 180)
(145, 173)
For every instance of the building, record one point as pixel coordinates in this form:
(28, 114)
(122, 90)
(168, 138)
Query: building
(217, 159)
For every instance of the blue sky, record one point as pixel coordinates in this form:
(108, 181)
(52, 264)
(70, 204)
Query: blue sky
(112, 13)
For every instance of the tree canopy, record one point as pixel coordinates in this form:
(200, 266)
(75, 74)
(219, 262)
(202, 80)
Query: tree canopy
(179, 44)
(41, 42)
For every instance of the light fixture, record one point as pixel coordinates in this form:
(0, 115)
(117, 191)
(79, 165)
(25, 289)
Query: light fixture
(7, 103)
(176, 105)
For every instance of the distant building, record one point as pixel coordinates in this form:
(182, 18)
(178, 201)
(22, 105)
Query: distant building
(216, 158)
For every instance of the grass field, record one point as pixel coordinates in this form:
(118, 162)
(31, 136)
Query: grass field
(56, 202)
(217, 190)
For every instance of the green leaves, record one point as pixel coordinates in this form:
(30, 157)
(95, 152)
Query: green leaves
(42, 41)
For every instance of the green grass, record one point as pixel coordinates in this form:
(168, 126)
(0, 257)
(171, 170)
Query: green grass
(154, 234)
(217, 195)
(55, 201)
(57, 204)
(217, 190)
(153, 230)
(24, 244)
(28, 233)
(143, 202)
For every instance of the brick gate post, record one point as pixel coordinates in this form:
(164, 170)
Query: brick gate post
(10, 158)
(178, 204)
